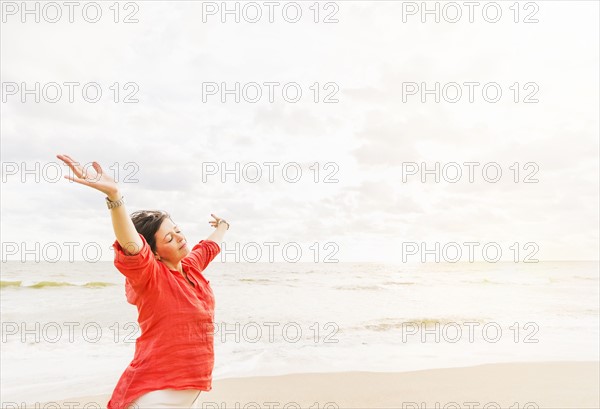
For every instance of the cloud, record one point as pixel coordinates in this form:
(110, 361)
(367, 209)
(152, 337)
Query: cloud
(170, 133)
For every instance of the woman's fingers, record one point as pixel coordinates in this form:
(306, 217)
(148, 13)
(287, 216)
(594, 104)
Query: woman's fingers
(78, 180)
(67, 161)
(70, 158)
(78, 171)
(88, 177)
(97, 167)
(71, 164)
(214, 223)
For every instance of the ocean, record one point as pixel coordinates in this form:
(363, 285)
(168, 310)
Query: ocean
(67, 329)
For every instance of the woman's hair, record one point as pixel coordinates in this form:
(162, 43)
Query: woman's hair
(147, 223)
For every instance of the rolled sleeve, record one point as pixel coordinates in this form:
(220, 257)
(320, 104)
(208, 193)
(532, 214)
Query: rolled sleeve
(203, 253)
(139, 268)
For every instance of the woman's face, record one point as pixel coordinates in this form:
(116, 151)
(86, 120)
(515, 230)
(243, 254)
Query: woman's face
(171, 244)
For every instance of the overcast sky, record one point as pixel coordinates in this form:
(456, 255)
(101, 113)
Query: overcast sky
(370, 136)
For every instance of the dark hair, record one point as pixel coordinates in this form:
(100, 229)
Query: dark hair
(147, 223)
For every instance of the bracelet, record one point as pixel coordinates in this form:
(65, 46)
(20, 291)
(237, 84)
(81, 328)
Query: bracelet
(223, 221)
(111, 205)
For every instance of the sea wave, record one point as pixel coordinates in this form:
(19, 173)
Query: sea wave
(374, 287)
(391, 324)
(398, 283)
(256, 280)
(358, 287)
(4, 284)
(50, 284)
(586, 278)
(486, 281)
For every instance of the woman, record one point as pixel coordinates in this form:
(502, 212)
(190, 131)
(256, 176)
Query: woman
(174, 355)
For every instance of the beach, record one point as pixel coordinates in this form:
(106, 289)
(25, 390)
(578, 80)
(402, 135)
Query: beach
(501, 385)
(375, 336)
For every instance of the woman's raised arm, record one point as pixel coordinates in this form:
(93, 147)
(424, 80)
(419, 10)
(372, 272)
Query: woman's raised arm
(125, 231)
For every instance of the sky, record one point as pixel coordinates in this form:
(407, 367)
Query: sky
(371, 130)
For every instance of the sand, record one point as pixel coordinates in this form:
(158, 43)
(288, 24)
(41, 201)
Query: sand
(539, 384)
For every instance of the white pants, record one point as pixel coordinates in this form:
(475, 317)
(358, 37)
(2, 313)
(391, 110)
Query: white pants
(166, 398)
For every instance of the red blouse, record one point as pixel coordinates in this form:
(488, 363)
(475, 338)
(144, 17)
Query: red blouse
(175, 348)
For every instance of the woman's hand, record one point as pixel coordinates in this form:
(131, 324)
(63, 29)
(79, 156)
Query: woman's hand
(94, 178)
(221, 228)
(215, 223)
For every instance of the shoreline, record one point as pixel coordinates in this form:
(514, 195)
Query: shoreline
(553, 384)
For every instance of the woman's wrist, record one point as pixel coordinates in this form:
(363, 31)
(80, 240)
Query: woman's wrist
(114, 196)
